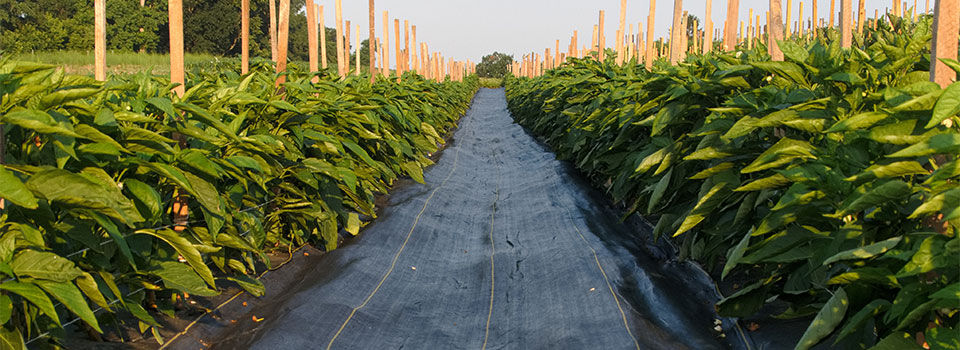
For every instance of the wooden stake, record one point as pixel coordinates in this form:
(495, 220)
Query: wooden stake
(346, 48)
(648, 52)
(675, 34)
(733, 13)
(556, 59)
(846, 29)
(341, 68)
(370, 42)
(283, 36)
(601, 38)
(398, 48)
(312, 45)
(800, 20)
(175, 10)
(815, 18)
(244, 36)
(708, 29)
(406, 45)
(945, 28)
(273, 30)
(623, 21)
(413, 54)
(181, 212)
(323, 39)
(787, 30)
(750, 29)
(774, 31)
(833, 9)
(100, 40)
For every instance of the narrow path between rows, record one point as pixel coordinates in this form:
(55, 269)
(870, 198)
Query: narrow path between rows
(503, 248)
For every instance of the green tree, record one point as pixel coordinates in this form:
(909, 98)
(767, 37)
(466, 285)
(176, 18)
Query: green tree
(495, 65)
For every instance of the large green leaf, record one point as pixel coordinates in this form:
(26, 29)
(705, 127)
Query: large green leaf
(865, 252)
(34, 295)
(938, 144)
(13, 190)
(181, 277)
(783, 152)
(947, 106)
(855, 322)
(894, 190)
(827, 320)
(705, 205)
(70, 296)
(186, 250)
(61, 186)
(11, 339)
(44, 265)
(38, 121)
(895, 169)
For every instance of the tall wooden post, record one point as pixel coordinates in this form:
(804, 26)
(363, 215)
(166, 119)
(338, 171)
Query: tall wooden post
(846, 29)
(312, 32)
(245, 36)
(406, 45)
(623, 21)
(100, 40)
(323, 39)
(273, 30)
(750, 29)
(814, 25)
(346, 48)
(774, 31)
(414, 57)
(339, 22)
(601, 38)
(800, 20)
(181, 213)
(833, 11)
(708, 29)
(733, 13)
(283, 36)
(651, 18)
(556, 59)
(946, 14)
(787, 30)
(371, 41)
(386, 43)
(399, 49)
(675, 34)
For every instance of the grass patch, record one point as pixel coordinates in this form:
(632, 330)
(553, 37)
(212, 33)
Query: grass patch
(491, 83)
(81, 62)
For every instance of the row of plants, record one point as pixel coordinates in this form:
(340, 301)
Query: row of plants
(92, 172)
(827, 183)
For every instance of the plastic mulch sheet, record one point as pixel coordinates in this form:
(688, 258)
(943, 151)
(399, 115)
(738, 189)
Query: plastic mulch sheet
(503, 248)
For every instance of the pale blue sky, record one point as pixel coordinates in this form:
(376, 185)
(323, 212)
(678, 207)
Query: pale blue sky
(470, 29)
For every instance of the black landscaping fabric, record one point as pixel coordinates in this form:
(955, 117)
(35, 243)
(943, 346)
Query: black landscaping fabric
(503, 248)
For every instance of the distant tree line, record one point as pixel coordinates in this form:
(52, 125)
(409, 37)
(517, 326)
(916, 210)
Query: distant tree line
(495, 65)
(210, 26)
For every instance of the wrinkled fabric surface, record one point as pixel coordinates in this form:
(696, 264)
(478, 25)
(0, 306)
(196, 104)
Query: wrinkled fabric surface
(503, 248)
